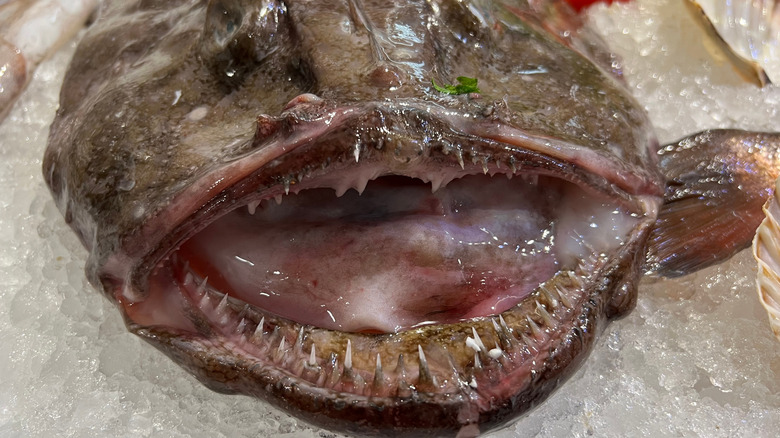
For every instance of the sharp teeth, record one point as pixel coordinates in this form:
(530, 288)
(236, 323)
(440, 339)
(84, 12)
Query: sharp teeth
(403, 387)
(484, 165)
(421, 354)
(341, 189)
(286, 186)
(496, 326)
(471, 343)
(335, 376)
(577, 280)
(252, 207)
(259, 329)
(477, 362)
(378, 374)
(360, 185)
(322, 375)
(348, 359)
(204, 300)
(562, 296)
(565, 301)
(278, 199)
(202, 286)
(477, 339)
(280, 352)
(241, 326)
(312, 356)
(439, 182)
(534, 328)
(550, 298)
(473, 383)
(436, 184)
(357, 152)
(299, 340)
(359, 383)
(512, 164)
(548, 319)
(400, 368)
(495, 353)
(459, 154)
(504, 334)
(222, 306)
(503, 323)
(187, 278)
(425, 373)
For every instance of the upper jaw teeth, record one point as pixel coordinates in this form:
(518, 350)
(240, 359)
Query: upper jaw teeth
(358, 177)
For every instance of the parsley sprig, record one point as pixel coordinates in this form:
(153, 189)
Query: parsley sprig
(465, 85)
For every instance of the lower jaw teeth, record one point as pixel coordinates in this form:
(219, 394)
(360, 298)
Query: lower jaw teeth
(491, 348)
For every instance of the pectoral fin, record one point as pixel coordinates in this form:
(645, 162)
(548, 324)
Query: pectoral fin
(717, 182)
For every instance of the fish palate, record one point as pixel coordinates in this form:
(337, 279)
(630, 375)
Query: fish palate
(277, 196)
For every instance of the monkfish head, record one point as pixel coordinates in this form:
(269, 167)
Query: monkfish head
(278, 197)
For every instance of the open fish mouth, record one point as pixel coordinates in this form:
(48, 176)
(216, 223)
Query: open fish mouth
(460, 275)
(378, 258)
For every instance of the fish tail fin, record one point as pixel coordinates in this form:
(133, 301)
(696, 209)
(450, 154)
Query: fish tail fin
(716, 184)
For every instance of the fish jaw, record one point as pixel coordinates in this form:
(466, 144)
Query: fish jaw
(421, 392)
(469, 369)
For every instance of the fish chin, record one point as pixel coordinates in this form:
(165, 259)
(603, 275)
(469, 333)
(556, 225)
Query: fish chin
(363, 292)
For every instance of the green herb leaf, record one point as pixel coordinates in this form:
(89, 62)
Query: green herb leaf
(465, 85)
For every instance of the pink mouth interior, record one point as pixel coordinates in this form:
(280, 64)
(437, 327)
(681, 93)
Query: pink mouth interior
(397, 256)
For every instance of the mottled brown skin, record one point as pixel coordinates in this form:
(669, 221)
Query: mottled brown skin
(174, 112)
(116, 121)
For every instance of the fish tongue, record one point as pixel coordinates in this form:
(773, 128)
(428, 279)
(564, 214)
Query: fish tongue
(396, 257)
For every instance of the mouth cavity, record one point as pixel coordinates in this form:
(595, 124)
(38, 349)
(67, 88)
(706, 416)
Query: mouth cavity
(395, 257)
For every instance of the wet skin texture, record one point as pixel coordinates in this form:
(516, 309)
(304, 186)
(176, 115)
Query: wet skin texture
(496, 232)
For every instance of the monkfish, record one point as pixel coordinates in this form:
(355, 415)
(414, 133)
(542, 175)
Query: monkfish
(386, 218)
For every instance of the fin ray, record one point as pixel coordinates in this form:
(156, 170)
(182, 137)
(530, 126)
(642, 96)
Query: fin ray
(717, 183)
